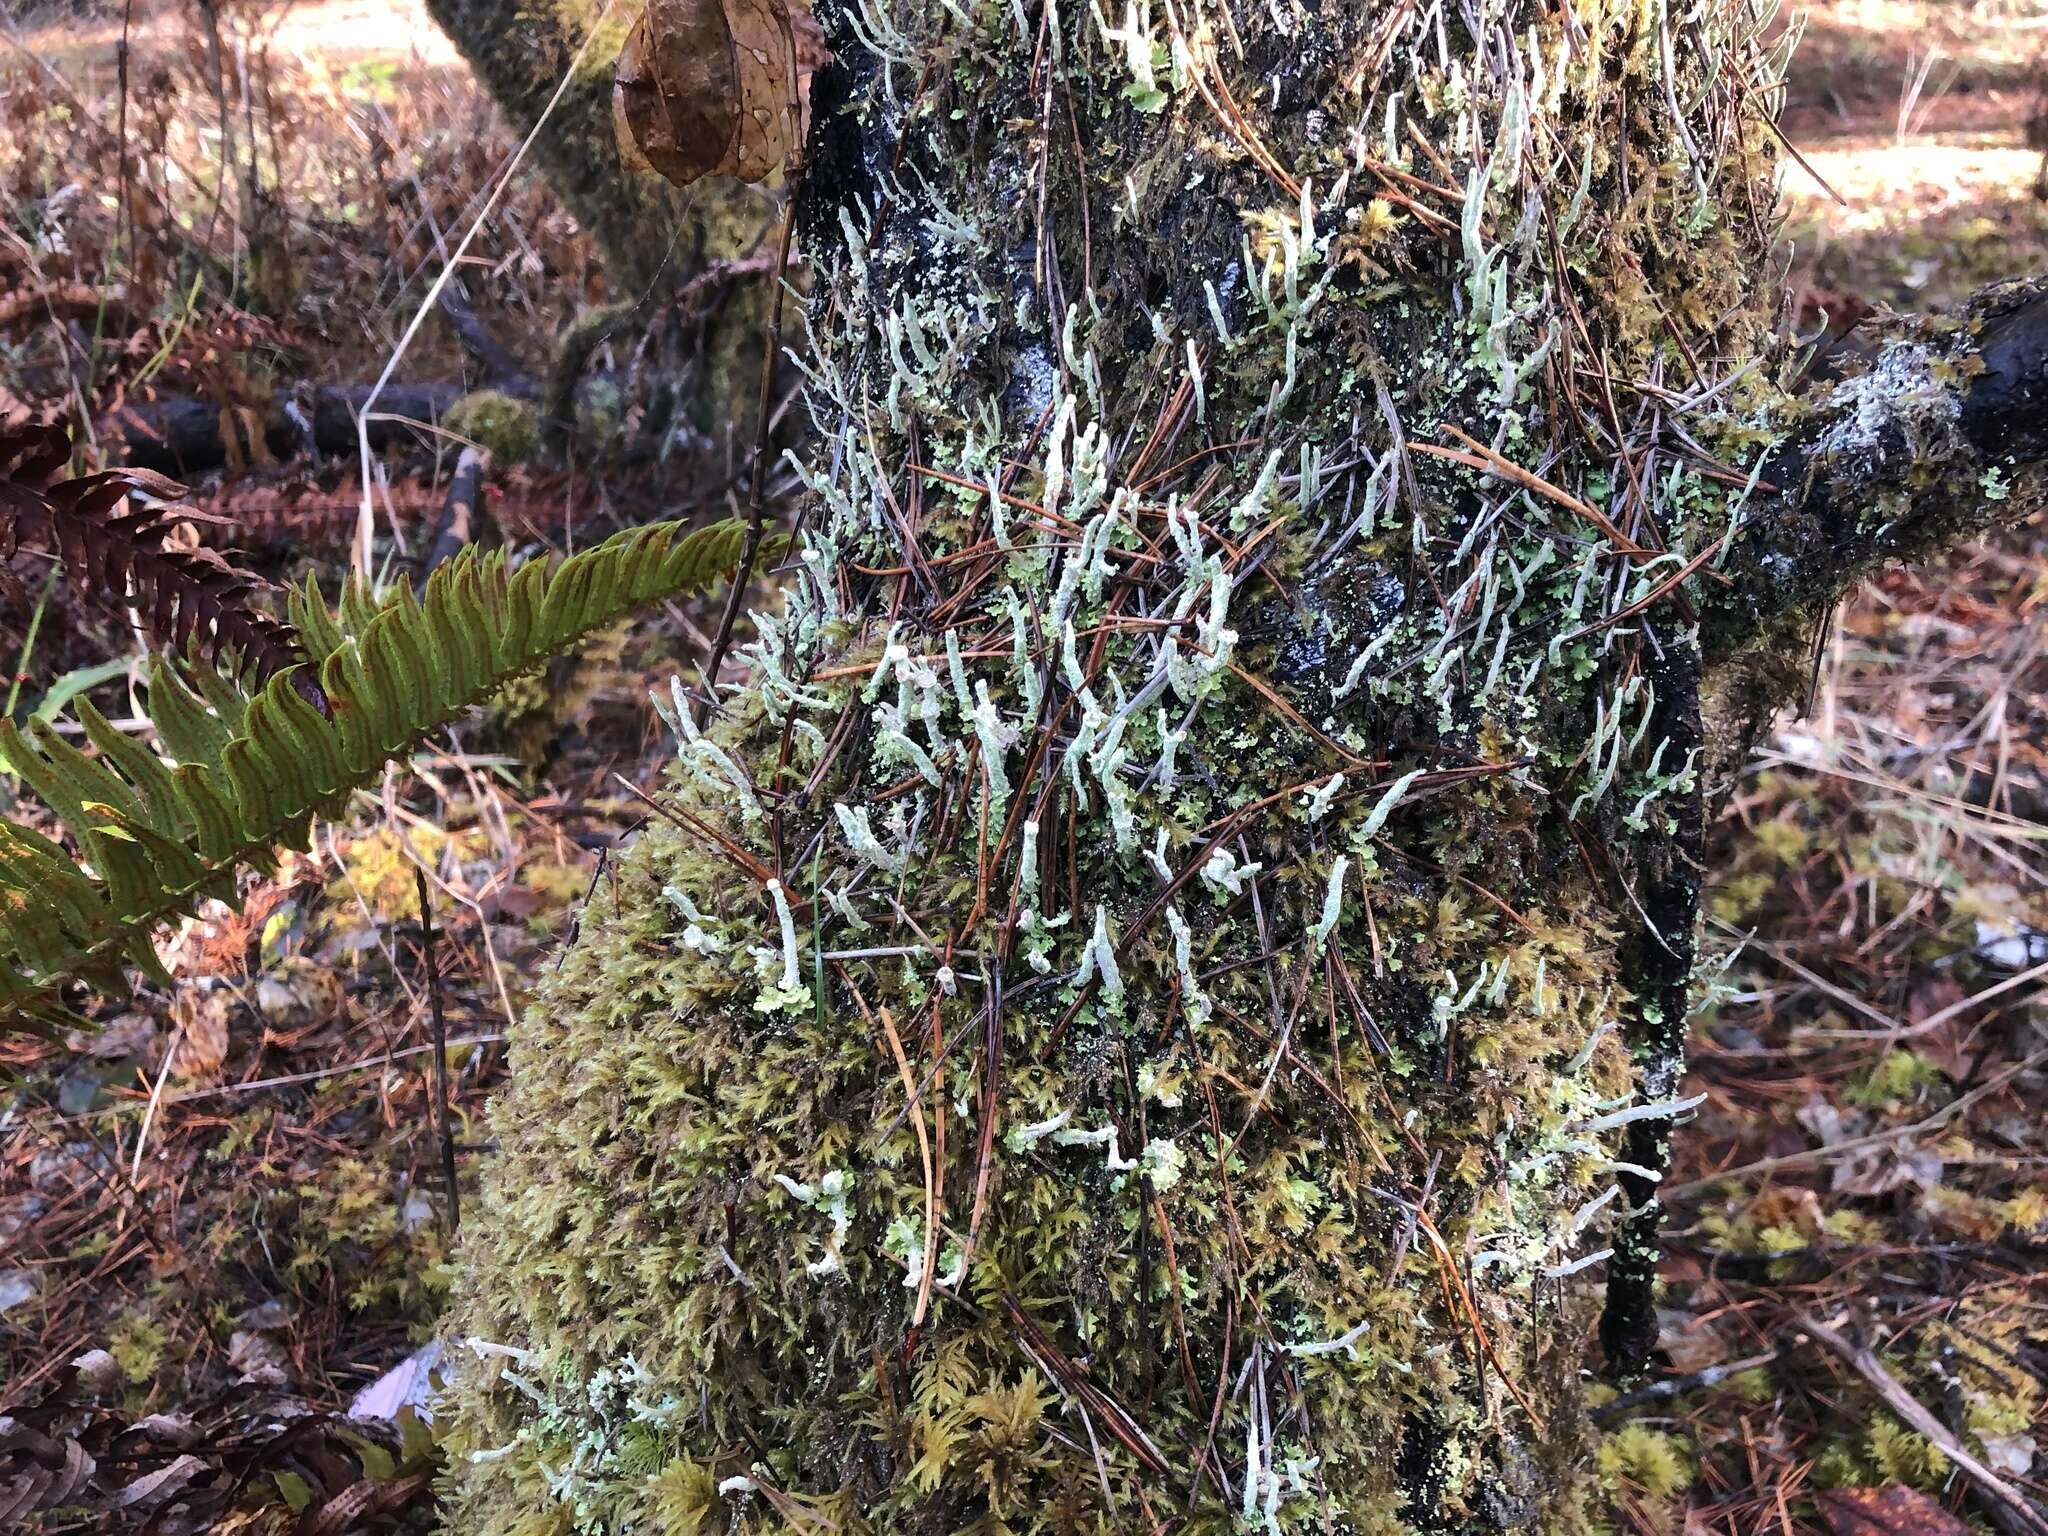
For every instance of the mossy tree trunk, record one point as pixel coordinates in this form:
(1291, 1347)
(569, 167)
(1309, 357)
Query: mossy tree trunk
(653, 236)
(1159, 1005)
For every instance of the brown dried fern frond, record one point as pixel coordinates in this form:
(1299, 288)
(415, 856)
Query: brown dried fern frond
(115, 550)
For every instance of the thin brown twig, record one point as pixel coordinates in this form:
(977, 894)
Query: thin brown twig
(1997, 1494)
(758, 473)
(1815, 1155)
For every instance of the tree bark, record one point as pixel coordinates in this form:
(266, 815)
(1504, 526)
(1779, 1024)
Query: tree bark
(1158, 1005)
(1937, 431)
(654, 237)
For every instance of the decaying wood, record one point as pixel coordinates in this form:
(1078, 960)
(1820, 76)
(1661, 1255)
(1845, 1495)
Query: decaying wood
(457, 527)
(181, 436)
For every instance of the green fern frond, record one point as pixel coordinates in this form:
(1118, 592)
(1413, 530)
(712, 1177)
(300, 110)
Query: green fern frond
(236, 774)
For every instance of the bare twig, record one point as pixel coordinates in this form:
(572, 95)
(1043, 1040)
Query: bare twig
(156, 1097)
(288, 1079)
(757, 478)
(1675, 1386)
(1815, 1155)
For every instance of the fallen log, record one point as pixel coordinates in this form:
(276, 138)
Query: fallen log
(182, 436)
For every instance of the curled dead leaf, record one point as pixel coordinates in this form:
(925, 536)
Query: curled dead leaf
(715, 87)
(1892, 1511)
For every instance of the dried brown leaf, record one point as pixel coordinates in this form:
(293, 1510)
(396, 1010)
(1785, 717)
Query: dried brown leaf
(714, 87)
(1894, 1511)
(187, 597)
(154, 1489)
(203, 1043)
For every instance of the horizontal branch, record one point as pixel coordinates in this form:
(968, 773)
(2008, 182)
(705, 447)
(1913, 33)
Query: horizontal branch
(181, 435)
(1940, 433)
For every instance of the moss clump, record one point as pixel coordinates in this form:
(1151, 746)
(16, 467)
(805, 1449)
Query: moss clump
(377, 873)
(504, 426)
(137, 1343)
(369, 1235)
(1894, 1077)
(1900, 1455)
(1646, 1464)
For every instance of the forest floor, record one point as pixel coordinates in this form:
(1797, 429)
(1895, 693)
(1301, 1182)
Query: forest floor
(232, 1191)
(1873, 1156)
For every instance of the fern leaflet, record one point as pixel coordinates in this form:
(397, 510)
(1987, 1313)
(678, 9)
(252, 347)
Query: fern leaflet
(238, 773)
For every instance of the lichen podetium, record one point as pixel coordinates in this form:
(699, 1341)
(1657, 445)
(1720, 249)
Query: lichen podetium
(1184, 992)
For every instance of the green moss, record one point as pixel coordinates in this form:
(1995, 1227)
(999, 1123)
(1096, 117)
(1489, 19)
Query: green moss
(1896, 1076)
(1735, 899)
(137, 1344)
(368, 1236)
(508, 428)
(1844, 1225)
(377, 873)
(1900, 1455)
(1752, 1386)
(1646, 1463)
(1785, 841)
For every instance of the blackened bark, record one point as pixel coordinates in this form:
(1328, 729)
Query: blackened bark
(1939, 430)
(1660, 953)
(181, 436)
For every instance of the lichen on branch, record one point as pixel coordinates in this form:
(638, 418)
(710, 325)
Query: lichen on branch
(1925, 430)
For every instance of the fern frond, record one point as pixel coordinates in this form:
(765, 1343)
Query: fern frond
(120, 555)
(239, 773)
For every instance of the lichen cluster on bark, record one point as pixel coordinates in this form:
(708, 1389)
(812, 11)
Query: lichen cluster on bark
(1158, 1000)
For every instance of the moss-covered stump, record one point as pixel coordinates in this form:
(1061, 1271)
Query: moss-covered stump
(1159, 1005)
